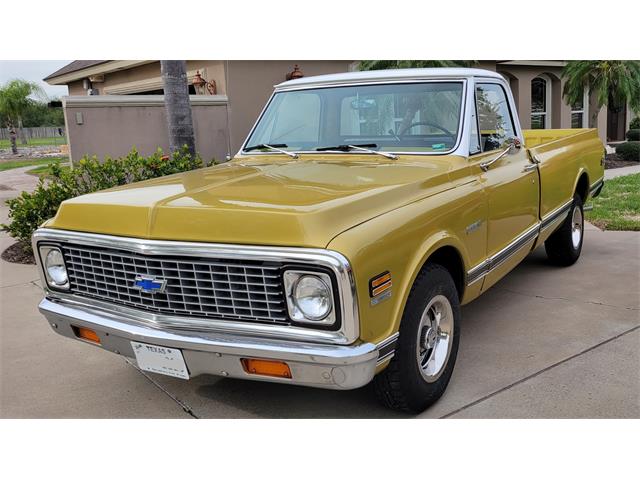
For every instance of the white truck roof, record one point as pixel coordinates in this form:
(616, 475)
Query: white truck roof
(386, 75)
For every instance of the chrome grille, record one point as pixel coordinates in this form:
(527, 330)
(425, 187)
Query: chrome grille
(246, 290)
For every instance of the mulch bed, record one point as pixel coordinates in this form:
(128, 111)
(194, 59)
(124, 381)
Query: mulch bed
(16, 254)
(612, 160)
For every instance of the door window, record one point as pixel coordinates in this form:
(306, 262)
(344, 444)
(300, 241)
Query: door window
(494, 116)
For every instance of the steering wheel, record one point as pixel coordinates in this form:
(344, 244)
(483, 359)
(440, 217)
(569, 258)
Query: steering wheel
(428, 124)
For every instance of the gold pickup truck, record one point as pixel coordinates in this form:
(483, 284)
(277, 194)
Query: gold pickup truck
(336, 247)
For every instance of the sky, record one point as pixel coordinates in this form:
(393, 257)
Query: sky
(34, 71)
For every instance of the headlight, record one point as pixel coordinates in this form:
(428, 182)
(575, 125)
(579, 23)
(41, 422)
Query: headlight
(309, 297)
(54, 267)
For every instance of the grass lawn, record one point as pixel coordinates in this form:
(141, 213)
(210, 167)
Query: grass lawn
(618, 206)
(36, 141)
(34, 161)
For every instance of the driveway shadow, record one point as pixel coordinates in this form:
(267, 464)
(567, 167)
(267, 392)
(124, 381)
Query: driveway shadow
(271, 400)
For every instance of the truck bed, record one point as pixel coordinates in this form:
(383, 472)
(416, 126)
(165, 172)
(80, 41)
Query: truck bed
(537, 138)
(565, 156)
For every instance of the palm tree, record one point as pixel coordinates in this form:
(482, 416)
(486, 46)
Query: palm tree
(614, 83)
(387, 64)
(14, 102)
(177, 105)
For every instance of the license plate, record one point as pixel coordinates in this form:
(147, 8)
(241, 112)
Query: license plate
(157, 359)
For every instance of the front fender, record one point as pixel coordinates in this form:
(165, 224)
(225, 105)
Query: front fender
(401, 242)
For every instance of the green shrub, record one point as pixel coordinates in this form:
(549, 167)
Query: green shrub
(635, 124)
(629, 151)
(28, 211)
(633, 135)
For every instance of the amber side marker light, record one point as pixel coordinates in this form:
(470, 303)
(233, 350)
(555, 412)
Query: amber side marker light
(270, 368)
(86, 334)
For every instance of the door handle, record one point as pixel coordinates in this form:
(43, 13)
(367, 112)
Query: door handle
(530, 168)
(485, 165)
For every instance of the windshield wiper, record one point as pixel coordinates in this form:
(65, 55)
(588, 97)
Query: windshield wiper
(276, 147)
(363, 147)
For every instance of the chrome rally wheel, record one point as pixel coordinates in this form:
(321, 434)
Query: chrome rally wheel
(577, 224)
(435, 338)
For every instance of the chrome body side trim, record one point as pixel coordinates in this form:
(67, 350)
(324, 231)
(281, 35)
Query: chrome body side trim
(315, 365)
(387, 348)
(559, 213)
(348, 332)
(485, 267)
(482, 269)
(511, 249)
(595, 189)
(478, 272)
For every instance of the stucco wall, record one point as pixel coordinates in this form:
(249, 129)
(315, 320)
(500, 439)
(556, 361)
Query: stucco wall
(112, 124)
(250, 84)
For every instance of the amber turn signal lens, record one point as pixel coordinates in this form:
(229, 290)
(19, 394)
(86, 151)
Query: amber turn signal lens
(86, 334)
(270, 368)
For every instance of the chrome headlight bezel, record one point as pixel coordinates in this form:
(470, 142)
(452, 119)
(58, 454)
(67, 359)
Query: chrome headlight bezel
(296, 314)
(43, 252)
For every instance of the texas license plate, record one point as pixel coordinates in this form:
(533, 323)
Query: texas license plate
(157, 359)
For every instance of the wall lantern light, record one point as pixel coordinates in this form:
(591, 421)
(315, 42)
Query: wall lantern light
(200, 83)
(297, 73)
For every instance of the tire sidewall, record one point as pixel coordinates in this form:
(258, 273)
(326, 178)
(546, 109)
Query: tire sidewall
(421, 393)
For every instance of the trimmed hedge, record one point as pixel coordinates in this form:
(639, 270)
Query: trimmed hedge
(28, 211)
(629, 151)
(633, 135)
(635, 124)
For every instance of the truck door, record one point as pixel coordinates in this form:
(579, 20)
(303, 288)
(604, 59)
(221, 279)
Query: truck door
(510, 181)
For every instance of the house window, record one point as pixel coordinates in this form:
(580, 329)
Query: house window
(578, 112)
(541, 102)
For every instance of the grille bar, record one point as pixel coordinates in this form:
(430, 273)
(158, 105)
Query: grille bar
(244, 290)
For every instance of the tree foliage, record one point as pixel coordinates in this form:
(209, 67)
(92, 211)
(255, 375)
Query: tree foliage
(15, 100)
(611, 82)
(39, 114)
(389, 64)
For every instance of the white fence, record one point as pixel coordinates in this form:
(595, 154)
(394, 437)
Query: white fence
(35, 132)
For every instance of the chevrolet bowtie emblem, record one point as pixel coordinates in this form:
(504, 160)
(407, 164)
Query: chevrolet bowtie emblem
(149, 284)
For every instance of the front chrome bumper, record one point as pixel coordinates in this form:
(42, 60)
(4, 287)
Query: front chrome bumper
(315, 365)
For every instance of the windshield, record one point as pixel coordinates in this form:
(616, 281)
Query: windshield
(416, 117)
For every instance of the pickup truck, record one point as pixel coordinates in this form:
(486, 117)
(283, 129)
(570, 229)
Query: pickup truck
(336, 247)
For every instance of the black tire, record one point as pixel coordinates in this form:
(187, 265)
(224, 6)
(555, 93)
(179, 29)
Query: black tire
(561, 247)
(401, 385)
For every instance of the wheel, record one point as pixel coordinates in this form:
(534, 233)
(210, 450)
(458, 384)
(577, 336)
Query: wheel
(565, 244)
(421, 368)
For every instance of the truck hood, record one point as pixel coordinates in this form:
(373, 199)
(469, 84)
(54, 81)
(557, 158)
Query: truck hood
(261, 200)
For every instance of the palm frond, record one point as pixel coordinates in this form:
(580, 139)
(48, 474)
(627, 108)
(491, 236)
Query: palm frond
(611, 82)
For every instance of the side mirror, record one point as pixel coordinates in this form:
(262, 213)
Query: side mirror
(514, 145)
